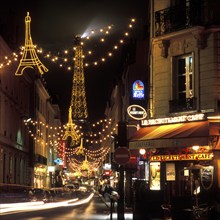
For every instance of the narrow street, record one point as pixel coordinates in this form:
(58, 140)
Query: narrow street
(93, 209)
(89, 208)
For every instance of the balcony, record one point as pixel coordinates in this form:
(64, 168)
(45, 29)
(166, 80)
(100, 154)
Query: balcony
(202, 13)
(182, 105)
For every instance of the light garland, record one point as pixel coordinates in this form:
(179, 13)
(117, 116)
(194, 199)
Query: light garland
(55, 139)
(62, 58)
(96, 62)
(55, 133)
(60, 130)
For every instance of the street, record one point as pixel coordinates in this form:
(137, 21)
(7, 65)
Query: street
(94, 208)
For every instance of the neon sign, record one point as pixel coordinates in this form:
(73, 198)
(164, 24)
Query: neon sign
(138, 90)
(136, 112)
(177, 119)
(177, 157)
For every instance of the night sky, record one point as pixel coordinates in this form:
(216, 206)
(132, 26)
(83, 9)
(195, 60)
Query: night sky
(53, 27)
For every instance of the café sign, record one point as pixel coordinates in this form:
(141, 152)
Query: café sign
(175, 157)
(170, 120)
(136, 112)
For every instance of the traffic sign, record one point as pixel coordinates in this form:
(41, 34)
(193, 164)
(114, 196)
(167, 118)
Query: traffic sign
(122, 155)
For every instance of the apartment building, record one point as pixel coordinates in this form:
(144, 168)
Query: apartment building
(177, 92)
(29, 125)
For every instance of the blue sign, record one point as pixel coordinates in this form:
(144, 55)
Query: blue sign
(138, 90)
(58, 161)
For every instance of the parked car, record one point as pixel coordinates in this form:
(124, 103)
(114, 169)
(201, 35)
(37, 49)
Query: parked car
(11, 193)
(37, 194)
(49, 196)
(82, 189)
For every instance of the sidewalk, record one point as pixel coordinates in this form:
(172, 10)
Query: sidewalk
(128, 213)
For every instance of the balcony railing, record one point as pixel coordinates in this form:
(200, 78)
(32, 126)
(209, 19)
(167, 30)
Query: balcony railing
(182, 105)
(191, 14)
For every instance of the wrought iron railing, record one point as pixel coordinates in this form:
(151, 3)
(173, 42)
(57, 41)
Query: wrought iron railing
(182, 105)
(191, 14)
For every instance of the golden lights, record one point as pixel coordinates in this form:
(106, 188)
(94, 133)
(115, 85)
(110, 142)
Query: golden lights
(62, 60)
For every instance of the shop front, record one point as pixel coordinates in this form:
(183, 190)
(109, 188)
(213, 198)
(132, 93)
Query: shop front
(180, 161)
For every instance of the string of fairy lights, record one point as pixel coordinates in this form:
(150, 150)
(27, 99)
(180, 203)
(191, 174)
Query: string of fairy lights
(36, 128)
(47, 135)
(64, 59)
(96, 153)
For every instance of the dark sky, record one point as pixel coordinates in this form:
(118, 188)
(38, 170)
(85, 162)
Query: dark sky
(53, 26)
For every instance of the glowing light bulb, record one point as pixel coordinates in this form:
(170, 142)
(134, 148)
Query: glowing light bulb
(195, 148)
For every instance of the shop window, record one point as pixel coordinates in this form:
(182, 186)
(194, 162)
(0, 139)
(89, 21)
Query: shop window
(155, 175)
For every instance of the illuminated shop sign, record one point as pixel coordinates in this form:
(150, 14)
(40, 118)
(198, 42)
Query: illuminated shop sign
(136, 112)
(58, 161)
(138, 90)
(155, 176)
(174, 157)
(177, 119)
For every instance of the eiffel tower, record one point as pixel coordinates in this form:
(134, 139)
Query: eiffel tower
(78, 98)
(29, 58)
(78, 107)
(70, 131)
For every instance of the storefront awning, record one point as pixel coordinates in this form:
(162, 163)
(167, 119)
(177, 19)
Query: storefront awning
(172, 135)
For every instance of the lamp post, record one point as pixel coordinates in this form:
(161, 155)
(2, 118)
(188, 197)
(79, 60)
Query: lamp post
(122, 142)
(142, 152)
(121, 202)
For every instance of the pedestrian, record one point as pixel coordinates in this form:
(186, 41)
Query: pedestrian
(100, 190)
(107, 191)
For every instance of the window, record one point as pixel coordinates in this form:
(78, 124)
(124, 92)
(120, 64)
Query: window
(183, 96)
(183, 77)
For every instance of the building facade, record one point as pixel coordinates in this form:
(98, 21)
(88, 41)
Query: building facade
(179, 137)
(29, 125)
(15, 144)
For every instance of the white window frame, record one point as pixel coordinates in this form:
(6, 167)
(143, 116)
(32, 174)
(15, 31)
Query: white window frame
(189, 74)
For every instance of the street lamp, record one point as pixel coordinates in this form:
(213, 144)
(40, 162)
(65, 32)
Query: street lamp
(142, 151)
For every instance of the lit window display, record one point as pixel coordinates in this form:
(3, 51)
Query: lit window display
(155, 175)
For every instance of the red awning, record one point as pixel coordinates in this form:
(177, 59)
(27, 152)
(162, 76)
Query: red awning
(172, 135)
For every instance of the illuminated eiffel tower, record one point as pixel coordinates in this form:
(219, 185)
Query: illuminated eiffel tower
(78, 98)
(70, 130)
(29, 58)
(78, 107)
